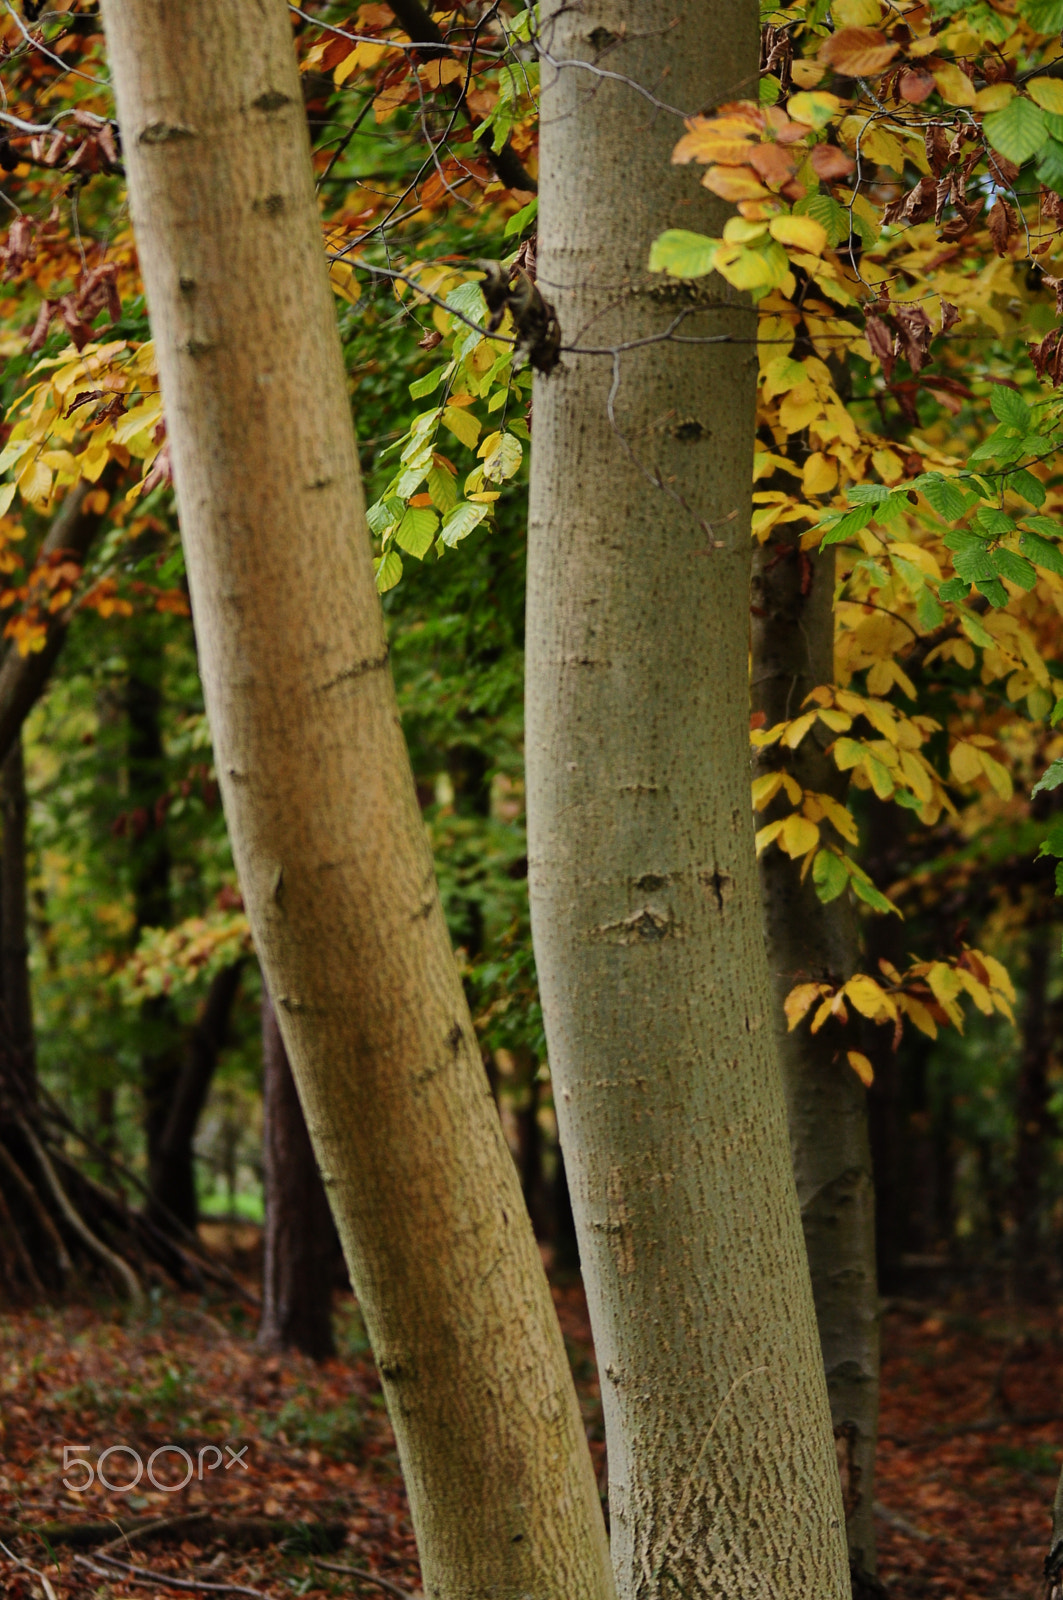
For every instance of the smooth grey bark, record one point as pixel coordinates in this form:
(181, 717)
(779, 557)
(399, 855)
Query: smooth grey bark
(793, 653)
(333, 859)
(645, 901)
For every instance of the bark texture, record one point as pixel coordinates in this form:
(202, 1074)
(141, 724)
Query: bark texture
(15, 986)
(333, 860)
(793, 652)
(300, 1242)
(645, 902)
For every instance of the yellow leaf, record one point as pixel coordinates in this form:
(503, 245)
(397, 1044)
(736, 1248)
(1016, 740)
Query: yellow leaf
(798, 835)
(820, 475)
(736, 230)
(868, 998)
(945, 985)
(760, 738)
(919, 1014)
(462, 424)
(994, 97)
(856, 13)
(831, 1007)
(1047, 93)
(765, 789)
(797, 729)
(343, 281)
(837, 721)
(977, 991)
(998, 974)
(806, 74)
(766, 836)
(998, 776)
(965, 762)
(814, 109)
(745, 269)
(840, 817)
(803, 232)
(862, 1067)
(954, 86)
(799, 1001)
(437, 73)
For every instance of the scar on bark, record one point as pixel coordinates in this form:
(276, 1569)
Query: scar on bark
(642, 927)
(358, 670)
(719, 885)
(165, 133)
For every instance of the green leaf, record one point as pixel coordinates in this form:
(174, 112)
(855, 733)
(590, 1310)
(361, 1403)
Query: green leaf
(1043, 551)
(430, 381)
(970, 556)
(829, 875)
(388, 571)
(848, 523)
(1001, 445)
(994, 591)
(995, 523)
(1010, 408)
(520, 219)
(1031, 488)
(830, 215)
(1050, 162)
(942, 495)
(1017, 132)
(1051, 779)
(1048, 527)
(974, 630)
(468, 300)
(865, 890)
(460, 522)
(379, 518)
(683, 254)
(1014, 567)
(954, 589)
(443, 488)
(864, 494)
(930, 613)
(417, 530)
(1044, 16)
(769, 91)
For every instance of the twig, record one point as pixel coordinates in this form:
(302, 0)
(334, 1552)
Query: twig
(155, 1526)
(145, 1576)
(893, 1519)
(121, 1269)
(41, 1579)
(367, 1577)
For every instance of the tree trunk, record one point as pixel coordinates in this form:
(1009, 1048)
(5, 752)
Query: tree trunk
(14, 929)
(793, 652)
(160, 1055)
(299, 1236)
(645, 903)
(172, 1172)
(1032, 1117)
(333, 859)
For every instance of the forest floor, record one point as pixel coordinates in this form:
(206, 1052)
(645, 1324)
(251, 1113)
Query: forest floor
(972, 1435)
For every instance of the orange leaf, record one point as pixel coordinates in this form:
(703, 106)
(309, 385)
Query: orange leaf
(858, 52)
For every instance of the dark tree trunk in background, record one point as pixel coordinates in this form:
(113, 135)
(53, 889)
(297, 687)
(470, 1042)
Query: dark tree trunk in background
(172, 1169)
(1032, 1117)
(300, 1239)
(161, 1062)
(14, 935)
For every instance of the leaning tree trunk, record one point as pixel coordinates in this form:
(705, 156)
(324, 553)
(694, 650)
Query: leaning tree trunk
(793, 652)
(333, 859)
(645, 902)
(300, 1241)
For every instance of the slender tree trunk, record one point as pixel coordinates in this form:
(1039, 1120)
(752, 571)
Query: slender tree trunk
(1032, 1117)
(333, 859)
(645, 902)
(14, 923)
(172, 1172)
(793, 652)
(160, 1056)
(300, 1239)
